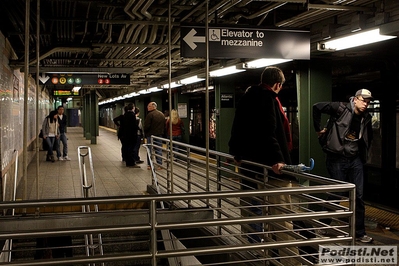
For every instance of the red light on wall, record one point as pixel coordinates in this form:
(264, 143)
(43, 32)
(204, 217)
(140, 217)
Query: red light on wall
(107, 81)
(100, 81)
(54, 80)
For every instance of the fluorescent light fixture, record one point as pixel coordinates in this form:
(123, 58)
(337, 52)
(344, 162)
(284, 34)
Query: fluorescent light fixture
(225, 71)
(191, 80)
(262, 62)
(154, 89)
(144, 92)
(172, 85)
(132, 94)
(76, 88)
(69, 99)
(354, 40)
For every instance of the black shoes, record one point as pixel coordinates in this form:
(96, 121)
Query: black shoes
(133, 166)
(139, 162)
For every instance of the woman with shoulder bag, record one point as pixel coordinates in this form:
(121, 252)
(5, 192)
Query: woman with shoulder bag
(177, 128)
(50, 131)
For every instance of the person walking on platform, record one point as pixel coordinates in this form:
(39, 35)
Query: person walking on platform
(62, 121)
(154, 125)
(348, 138)
(136, 150)
(177, 128)
(117, 120)
(260, 116)
(129, 136)
(50, 129)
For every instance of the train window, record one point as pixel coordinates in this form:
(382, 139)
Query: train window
(375, 150)
(212, 124)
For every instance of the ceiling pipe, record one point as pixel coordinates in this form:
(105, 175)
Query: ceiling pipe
(135, 9)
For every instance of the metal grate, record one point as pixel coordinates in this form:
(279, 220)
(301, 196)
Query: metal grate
(383, 217)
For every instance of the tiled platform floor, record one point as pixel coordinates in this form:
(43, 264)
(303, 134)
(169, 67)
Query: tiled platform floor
(61, 179)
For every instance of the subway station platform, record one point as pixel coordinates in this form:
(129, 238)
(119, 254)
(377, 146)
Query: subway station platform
(61, 179)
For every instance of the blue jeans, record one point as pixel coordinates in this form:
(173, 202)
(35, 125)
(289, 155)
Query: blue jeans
(350, 170)
(50, 145)
(158, 151)
(64, 140)
(136, 149)
(252, 201)
(175, 149)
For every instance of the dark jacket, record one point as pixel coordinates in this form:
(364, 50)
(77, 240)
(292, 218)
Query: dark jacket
(154, 123)
(258, 133)
(63, 123)
(117, 120)
(336, 142)
(128, 127)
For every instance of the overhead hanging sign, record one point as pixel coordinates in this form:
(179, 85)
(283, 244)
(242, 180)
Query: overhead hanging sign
(88, 79)
(239, 42)
(65, 93)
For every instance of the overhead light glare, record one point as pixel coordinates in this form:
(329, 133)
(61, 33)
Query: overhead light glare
(154, 89)
(144, 92)
(354, 40)
(172, 85)
(263, 62)
(76, 88)
(191, 80)
(225, 71)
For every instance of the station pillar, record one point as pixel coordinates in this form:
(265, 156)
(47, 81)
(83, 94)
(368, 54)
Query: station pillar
(225, 110)
(90, 115)
(314, 84)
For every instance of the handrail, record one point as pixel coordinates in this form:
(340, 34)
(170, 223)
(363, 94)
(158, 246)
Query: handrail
(86, 189)
(8, 243)
(152, 223)
(224, 234)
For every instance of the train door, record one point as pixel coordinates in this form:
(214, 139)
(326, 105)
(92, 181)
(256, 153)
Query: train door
(197, 123)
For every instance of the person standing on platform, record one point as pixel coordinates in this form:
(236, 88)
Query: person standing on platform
(154, 125)
(260, 116)
(348, 140)
(51, 132)
(177, 127)
(129, 136)
(117, 120)
(62, 121)
(136, 150)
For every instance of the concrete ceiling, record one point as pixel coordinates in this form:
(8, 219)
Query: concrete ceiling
(131, 36)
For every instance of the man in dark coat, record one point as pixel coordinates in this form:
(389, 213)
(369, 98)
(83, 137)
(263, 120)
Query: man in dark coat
(129, 136)
(261, 134)
(348, 141)
(154, 125)
(62, 122)
(260, 117)
(117, 120)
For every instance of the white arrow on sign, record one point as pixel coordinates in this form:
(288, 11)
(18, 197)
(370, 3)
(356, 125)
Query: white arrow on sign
(190, 39)
(43, 78)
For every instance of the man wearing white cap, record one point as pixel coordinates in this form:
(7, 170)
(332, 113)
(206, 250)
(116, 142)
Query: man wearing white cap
(347, 139)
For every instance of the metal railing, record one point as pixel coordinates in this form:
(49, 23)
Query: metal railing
(308, 206)
(210, 220)
(89, 190)
(6, 254)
